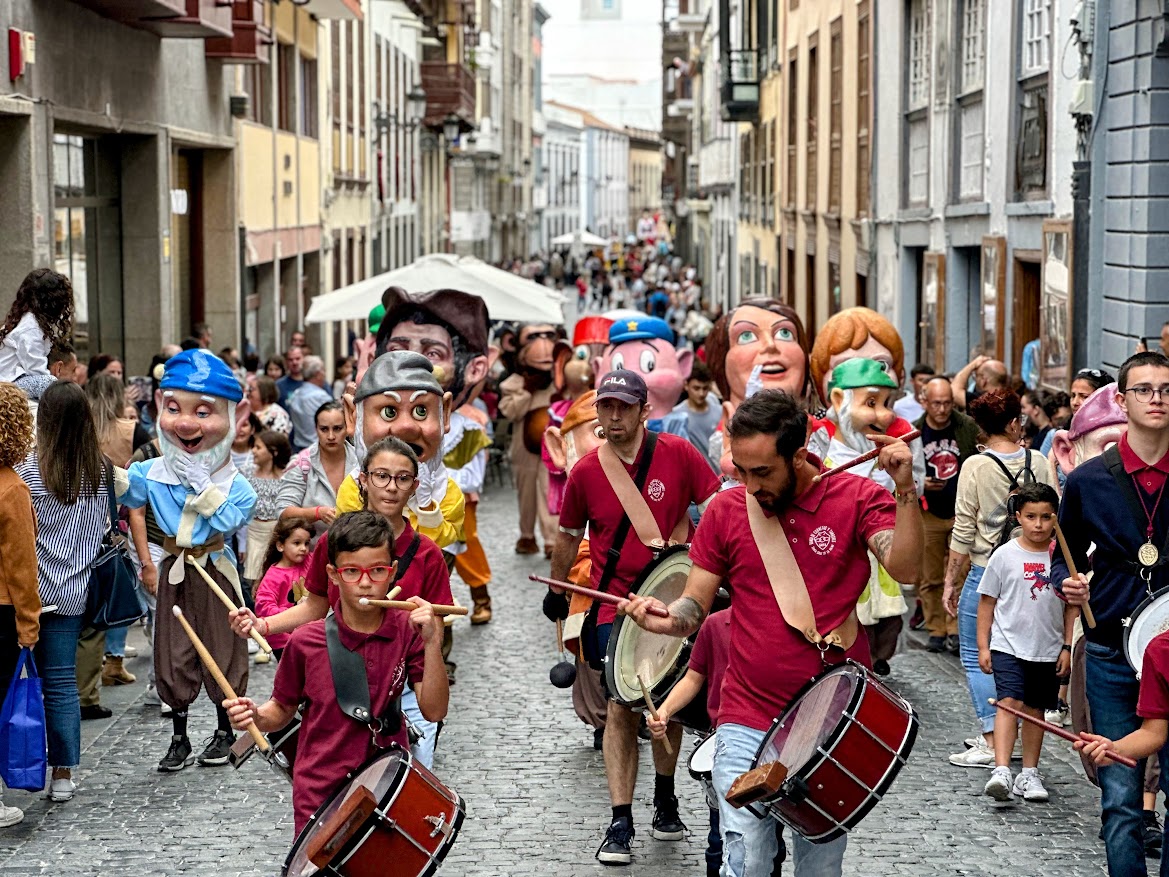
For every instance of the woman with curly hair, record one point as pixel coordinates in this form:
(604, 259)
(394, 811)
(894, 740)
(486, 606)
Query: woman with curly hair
(980, 513)
(20, 603)
(40, 316)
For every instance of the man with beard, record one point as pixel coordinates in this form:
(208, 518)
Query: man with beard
(197, 497)
(778, 643)
(669, 474)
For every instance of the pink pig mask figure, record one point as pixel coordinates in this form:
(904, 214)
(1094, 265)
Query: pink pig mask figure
(1099, 423)
(646, 346)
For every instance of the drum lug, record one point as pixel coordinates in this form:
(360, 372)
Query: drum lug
(795, 789)
(441, 826)
(1126, 622)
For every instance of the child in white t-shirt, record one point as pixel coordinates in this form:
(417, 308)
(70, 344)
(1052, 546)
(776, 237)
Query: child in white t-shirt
(1024, 639)
(40, 316)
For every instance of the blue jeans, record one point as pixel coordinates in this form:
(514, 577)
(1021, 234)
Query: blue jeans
(56, 657)
(116, 641)
(423, 750)
(750, 844)
(981, 685)
(1112, 690)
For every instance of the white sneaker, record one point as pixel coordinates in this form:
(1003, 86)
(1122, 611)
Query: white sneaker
(10, 816)
(979, 755)
(1061, 715)
(131, 652)
(999, 784)
(971, 742)
(165, 709)
(62, 790)
(1029, 786)
(253, 646)
(152, 695)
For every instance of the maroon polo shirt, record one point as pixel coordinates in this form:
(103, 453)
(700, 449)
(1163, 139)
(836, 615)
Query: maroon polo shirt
(678, 475)
(331, 743)
(828, 526)
(1153, 702)
(427, 576)
(709, 657)
(1149, 477)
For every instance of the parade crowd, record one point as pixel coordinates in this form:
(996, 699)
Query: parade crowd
(665, 453)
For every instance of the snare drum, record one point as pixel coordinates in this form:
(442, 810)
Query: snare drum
(843, 740)
(701, 767)
(661, 660)
(391, 816)
(1150, 619)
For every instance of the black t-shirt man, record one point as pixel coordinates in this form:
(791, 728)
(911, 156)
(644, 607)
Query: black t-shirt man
(940, 447)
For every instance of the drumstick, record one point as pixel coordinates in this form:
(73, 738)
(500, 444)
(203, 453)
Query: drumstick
(1089, 618)
(218, 591)
(559, 637)
(659, 611)
(394, 592)
(217, 674)
(1058, 731)
(865, 457)
(653, 711)
(403, 604)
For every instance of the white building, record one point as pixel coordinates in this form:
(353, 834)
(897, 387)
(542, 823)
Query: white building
(563, 138)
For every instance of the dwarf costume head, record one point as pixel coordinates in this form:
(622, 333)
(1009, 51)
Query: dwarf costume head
(447, 326)
(645, 345)
(199, 394)
(577, 435)
(400, 396)
(858, 395)
(761, 332)
(856, 333)
(1098, 423)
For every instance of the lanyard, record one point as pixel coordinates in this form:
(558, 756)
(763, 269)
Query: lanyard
(1145, 508)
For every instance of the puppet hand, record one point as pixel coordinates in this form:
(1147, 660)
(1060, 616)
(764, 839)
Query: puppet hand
(754, 383)
(432, 483)
(198, 474)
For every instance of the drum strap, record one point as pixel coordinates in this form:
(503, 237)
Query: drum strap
(633, 500)
(787, 581)
(352, 685)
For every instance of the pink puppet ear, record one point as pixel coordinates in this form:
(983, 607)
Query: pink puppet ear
(1064, 450)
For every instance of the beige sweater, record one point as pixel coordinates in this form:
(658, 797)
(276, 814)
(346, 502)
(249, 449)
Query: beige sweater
(980, 509)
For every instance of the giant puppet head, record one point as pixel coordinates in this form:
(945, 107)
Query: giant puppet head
(446, 326)
(577, 435)
(858, 395)
(1099, 422)
(759, 333)
(646, 345)
(856, 333)
(196, 418)
(590, 337)
(399, 395)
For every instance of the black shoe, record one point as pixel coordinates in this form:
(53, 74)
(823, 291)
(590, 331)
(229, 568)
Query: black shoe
(96, 711)
(1153, 835)
(618, 846)
(881, 667)
(952, 644)
(178, 756)
(218, 749)
(667, 825)
(643, 730)
(917, 621)
(599, 739)
(937, 645)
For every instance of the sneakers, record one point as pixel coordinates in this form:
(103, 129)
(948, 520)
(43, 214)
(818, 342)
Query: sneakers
(151, 696)
(178, 756)
(62, 790)
(937, 645)
(667, 825)
(95, 711)
(881, 667)
(1059, 716)
(1153, 834)
(999, 784)
(617, 848)
(130, 652)
(253, 646)
(218, 749)
(114, 672)
(978, 755)
(952, 644)
(165, 710)
(917, 622)
(10, 816)
(1029, 786)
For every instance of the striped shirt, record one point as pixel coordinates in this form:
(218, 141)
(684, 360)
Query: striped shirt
(68, 540)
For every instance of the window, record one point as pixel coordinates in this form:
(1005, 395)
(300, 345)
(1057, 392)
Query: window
(308, 98)
(812, 128)
(769, 209)
(258, 84)
(973, 46)
(862, 110)
(1036, 36)
(970, 171)
(919, 152)
(793, 94)
(836, 60)
(286, 88)
(919, 54)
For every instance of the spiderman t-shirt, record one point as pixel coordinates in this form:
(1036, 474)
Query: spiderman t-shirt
(1028, 615)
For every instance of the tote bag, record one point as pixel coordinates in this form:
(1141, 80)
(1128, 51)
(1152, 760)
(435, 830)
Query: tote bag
(23, 756)
(113, 600)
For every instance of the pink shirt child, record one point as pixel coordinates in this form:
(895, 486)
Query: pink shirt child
(274, 594)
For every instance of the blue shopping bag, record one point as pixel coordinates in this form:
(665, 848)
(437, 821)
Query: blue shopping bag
(23, 757)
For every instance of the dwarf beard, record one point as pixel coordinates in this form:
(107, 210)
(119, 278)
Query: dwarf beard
(846, 433)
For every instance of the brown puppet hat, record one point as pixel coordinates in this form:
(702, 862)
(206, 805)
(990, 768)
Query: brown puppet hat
(463, 314)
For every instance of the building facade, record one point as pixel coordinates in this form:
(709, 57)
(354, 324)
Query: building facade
(562, 155)
(645, 175)
(604, 173)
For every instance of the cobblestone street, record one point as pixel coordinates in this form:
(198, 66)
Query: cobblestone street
(534, 786)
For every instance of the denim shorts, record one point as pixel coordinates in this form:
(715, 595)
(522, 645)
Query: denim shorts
(1032, 682)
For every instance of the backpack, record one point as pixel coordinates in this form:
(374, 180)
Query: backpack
(1026, 475)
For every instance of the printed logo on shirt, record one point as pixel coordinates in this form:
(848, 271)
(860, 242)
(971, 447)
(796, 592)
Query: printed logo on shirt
(398, 680)
(656, 490)
(942, 457)
(1037, 574)
(822, 540)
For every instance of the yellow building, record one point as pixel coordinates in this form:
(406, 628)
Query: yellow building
(645, 175)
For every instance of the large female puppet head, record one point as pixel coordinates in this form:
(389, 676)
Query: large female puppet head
(856, 333)
(761, 332)
(1099, 422)
(196, 420)
(400, 396)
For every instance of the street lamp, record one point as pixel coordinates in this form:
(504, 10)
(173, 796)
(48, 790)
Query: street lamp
(415, 113)
(450, 129)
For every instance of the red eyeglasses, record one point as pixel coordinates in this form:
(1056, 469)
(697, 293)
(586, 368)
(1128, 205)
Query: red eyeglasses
(379, 575)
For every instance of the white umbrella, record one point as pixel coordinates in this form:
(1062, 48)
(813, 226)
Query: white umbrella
(508, 296)
(585, 238)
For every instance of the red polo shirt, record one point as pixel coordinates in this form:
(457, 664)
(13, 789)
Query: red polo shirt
(1149, 477)
(829, 526)
(709, 657)
(427, 576)
(1153, 702)
(678, 475)
(331, 743)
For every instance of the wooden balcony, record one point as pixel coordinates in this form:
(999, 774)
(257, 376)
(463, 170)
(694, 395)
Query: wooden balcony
(251, 39)
(450, 90)
(131, 11)
(201, 19)
(349, 10)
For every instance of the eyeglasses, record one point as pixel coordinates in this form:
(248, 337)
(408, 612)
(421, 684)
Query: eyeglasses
(381, 478)
(379, 575)
(1144, 393)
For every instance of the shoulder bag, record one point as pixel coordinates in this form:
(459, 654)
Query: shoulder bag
(114, 599)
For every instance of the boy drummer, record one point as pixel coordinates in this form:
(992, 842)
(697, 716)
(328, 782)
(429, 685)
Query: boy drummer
(399, 646)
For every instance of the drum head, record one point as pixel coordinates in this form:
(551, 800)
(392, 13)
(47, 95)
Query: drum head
(634, 651)
(380, 775)
(702, 759)
(810, 721)
(1150, 619)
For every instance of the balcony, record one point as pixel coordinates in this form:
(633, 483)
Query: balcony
(130, 11)
(740, 86)
(450, 90)
(200, 19)
(251, 39)
(338, 10)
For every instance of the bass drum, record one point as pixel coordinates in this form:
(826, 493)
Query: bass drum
(660, 660)
(1150, 619)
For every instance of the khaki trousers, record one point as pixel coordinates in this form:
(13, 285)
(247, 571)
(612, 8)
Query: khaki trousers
(531, 482)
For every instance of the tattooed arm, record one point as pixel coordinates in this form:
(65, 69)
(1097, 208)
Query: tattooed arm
(899, 550)
(686, 613)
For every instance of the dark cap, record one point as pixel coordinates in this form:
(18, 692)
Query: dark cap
(464, 313)
(398, 370)
(625, 385)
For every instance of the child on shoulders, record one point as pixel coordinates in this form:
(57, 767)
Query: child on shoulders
(41, 316)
